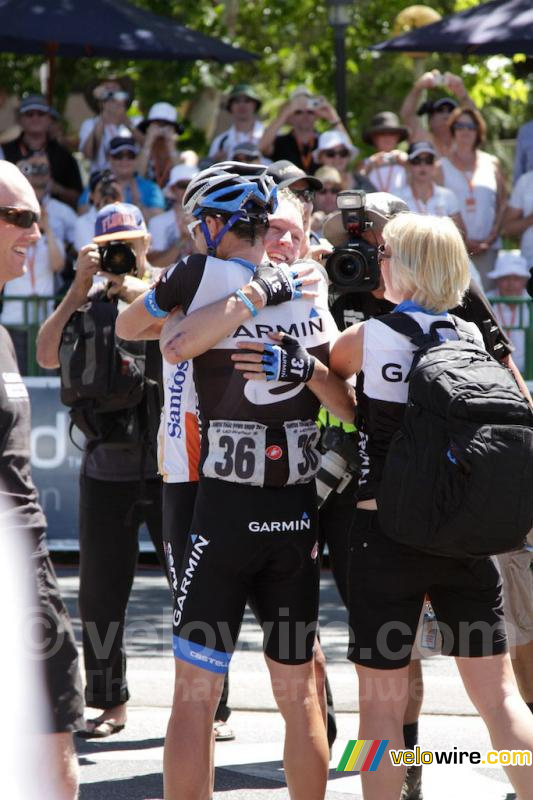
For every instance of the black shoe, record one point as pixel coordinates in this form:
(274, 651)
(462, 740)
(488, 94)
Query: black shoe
(412, 785)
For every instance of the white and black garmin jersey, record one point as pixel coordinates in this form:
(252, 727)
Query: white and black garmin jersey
(257, 432)
(382, 388)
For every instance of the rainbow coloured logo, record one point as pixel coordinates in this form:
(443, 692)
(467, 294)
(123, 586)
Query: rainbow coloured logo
(362, 755)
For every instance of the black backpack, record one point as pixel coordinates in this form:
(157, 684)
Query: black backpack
(100, 373)
(458, 476)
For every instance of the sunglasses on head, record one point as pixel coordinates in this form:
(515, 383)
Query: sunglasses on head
(21, 217)
(465, 126)
(417, 160)
(342, 153)
(307, 195)
(121, 156)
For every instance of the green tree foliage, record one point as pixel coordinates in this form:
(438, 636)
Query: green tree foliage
(294, 43)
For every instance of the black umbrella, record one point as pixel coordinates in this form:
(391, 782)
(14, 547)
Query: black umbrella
(106, 28)
(500, 26)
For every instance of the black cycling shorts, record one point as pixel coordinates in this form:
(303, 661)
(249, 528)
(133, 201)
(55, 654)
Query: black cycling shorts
(178, 509)
(248, 541)
(387, 583)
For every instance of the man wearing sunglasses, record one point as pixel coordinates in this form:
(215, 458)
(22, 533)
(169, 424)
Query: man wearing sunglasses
(145, 194)
(19, 231)
(300, 113)
(34, 116)
(45, 259)
(243, 103)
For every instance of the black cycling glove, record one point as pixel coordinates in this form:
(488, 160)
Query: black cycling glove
(278, 284)
(288, 361)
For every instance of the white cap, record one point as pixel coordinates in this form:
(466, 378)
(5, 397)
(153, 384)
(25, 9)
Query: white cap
(509, 262)
(181, 172)
(330, 139)
(163, 112)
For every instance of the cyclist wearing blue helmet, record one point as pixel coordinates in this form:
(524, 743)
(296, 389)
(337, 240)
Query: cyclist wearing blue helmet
(254, 525)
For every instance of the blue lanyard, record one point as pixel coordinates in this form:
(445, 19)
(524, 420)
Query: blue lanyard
(247, 264)
(409, 305)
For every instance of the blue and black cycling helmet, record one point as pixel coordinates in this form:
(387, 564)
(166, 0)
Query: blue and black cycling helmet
(237, 191)
(230, 187)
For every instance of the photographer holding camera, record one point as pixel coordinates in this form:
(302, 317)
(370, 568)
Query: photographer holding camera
(119, 485)
(300, 112)
(110, 99)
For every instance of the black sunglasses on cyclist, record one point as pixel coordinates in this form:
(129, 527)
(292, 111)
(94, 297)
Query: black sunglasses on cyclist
(21, 217)
(307, 195)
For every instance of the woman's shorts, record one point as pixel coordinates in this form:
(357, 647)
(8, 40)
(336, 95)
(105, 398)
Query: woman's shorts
(387, 583)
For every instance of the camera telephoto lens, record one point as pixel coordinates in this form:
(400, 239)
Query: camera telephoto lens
(346, 268)
(118, 258)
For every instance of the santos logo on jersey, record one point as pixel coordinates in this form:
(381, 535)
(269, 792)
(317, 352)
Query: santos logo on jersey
(283, 526)
(175, 388)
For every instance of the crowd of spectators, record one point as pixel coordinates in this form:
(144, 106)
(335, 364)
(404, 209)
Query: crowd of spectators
(431, 154)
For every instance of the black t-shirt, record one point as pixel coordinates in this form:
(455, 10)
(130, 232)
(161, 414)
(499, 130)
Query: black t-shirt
(63, 165)
(286, 147)
(19, 502)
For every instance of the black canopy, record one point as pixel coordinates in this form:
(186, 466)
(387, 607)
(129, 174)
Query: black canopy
(105, 28)
(500, 26)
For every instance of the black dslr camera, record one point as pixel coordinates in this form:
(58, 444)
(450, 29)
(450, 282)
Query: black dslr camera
(118, 258)
(354, 267)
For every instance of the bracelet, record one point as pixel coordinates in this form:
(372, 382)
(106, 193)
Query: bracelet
(151, 306)
(239, 294)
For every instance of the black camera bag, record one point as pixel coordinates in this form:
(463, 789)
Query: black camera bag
(100, 373)
(458, 477)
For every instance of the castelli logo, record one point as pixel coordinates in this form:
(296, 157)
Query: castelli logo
(274, 452)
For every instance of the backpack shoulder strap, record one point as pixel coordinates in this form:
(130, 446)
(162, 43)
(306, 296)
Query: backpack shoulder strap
(407, 326)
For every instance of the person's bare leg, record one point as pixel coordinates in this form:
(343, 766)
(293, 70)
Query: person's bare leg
(320, 677)
(383, 696)
(492, 687)
(306, 752)
(62, 765)
(188, 769)
(523, 670)
(416, 692)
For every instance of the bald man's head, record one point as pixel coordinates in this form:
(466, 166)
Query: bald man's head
(15, 193)
(15, 189)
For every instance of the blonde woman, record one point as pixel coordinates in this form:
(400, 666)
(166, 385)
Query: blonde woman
(425, 270)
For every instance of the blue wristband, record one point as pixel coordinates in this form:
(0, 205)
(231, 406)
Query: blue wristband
(248, 303)
(151, 305)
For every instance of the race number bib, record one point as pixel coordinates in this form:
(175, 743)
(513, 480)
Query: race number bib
(236, 452)
(302, 444)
